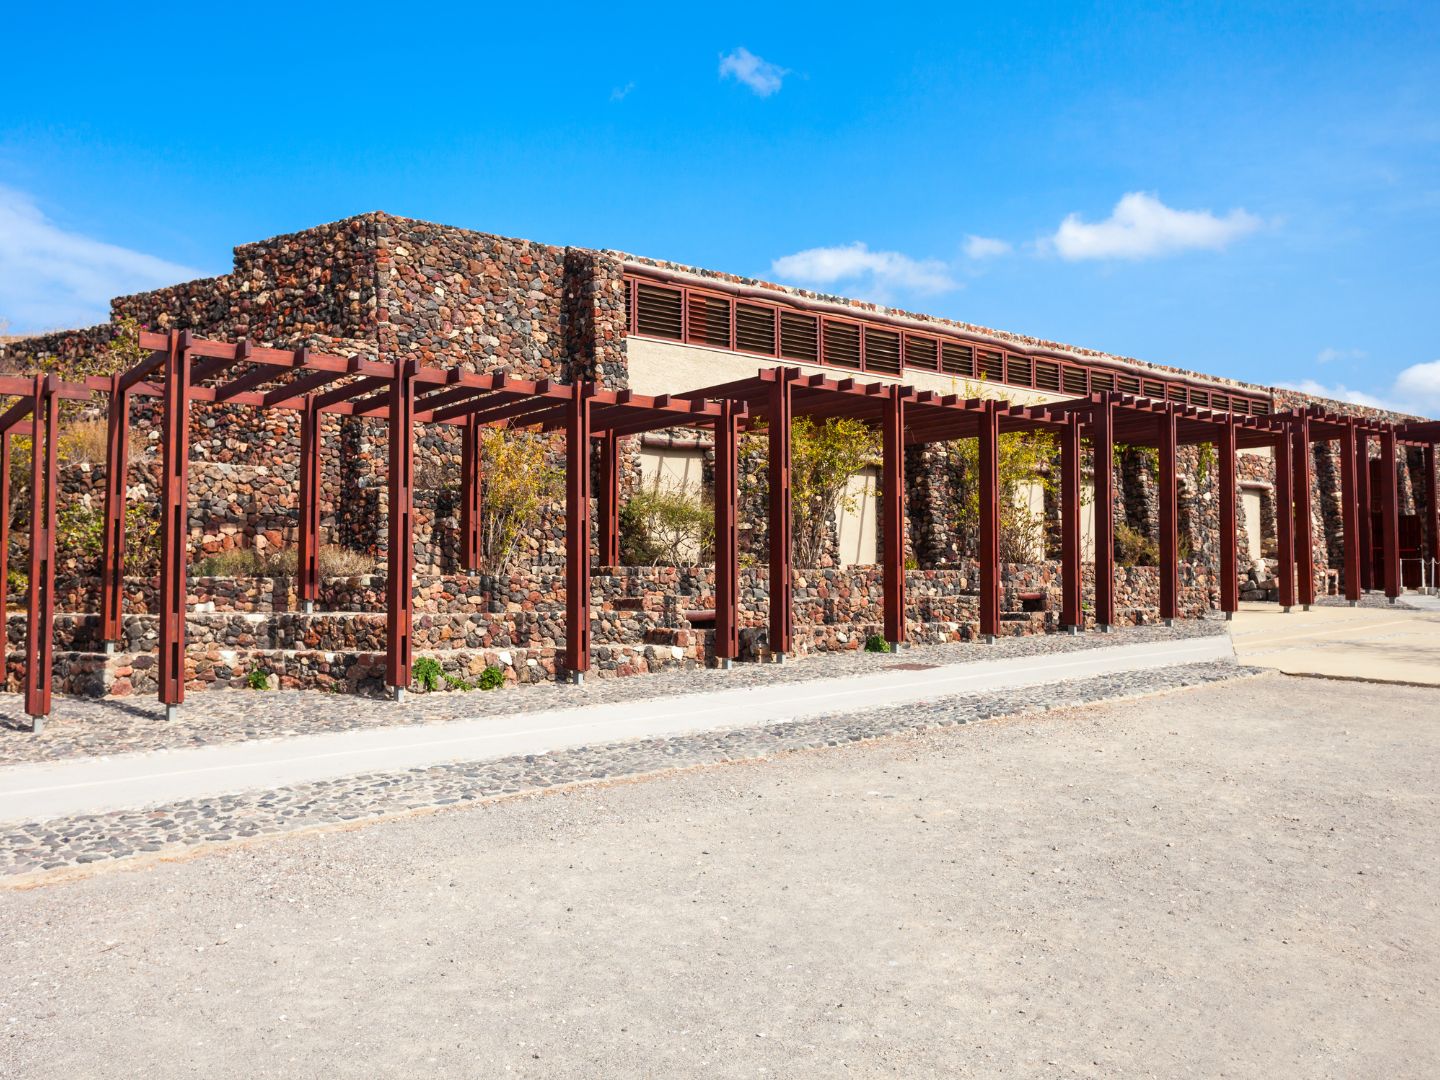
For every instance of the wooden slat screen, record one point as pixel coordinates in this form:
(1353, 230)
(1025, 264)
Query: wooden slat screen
(709, 320)
(922, 353)
(799, 337)
(1019, 371)
(957, 359)
(882, 351)
(659, 312)
(1076, 381)
(1047, 376)
(755, 328)
(991, 365)
(842, 344)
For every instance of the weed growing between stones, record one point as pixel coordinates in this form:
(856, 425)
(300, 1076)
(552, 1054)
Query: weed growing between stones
(876, 643)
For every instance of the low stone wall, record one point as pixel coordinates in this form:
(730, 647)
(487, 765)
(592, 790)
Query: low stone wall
(645, 619)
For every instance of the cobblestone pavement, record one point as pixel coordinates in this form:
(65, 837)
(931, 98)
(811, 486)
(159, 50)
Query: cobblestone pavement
(1367, 600)
(85, 727)
(50, 845)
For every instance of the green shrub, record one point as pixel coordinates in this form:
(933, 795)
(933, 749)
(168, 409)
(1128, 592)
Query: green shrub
(492, 678)
(258, 679)
(1135, 548)
(666, 524)
(876, 643)
(427, 673)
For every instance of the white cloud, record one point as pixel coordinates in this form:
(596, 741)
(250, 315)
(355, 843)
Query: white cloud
(759, 75)
(1416, 390)
(1142, 227)
(620, 93)
(1339, 392)
(51, 278)
(1329, 355)
(985, 247)
(880, 270)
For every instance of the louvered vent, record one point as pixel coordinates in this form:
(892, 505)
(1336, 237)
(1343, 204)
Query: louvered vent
(1220, 402)
(1019, 371)
(882, 351)
(1176, 393)
(1260, 408)
(1154, 391)
(798, 339)
(1128, 384)
(710, 320)
(991, 365)
(659, 311)
(1076, 382)
(1047, 376)
(922, 352)
(842, 344)
(957, 360)
(630, 304)
(1200, 398)
(1101, 380)
(755, 329)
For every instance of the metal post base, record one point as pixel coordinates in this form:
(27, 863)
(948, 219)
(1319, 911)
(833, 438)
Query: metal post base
(172, 713)
(398, 693)
(1353, 603)
(308, 607)
(894, 645)
(1229, 615)
(987, 639)
(37, 725)
(724, 663)
(109, 648)
(1168, 622)
(577, 678)
(1304, 607)
(1071, 629)
(777, 658)
(1285, 611)
(1103, 627)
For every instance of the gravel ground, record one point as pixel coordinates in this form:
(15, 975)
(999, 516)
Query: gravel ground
(1237, 880)
(81, 727)
(37, 847)
(1367, 600)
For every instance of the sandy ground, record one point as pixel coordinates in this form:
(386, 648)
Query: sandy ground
(1386, 644)
(1239, 880)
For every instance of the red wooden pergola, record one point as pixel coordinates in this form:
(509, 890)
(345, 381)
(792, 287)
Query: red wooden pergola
(180, 369)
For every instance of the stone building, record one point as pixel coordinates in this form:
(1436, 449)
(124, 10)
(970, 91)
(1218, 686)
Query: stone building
(381, 286)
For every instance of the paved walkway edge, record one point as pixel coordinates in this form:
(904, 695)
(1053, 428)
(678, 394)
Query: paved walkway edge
(97, 785)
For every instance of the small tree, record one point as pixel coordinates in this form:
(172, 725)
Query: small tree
(518, 480)
(666, 524)
(823, 458)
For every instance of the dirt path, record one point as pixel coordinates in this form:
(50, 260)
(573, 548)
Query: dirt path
(1239, 880)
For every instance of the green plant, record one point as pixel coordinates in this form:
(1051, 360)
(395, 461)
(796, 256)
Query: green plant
(824, 457)
(79, 531)
(876, 643)
(1135, 548)
(258, 679)
(427, 673)
(668, 524)
(492, 678)
(517, 480)
(912, 563)
(247, 562)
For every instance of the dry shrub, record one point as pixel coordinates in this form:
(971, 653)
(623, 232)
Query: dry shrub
(338, 561)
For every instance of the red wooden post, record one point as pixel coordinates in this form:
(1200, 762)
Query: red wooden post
(174, 521)
(1071, 584)
(577, 531)
(989, 463)
(892, 494)
(608, 508)
(781, 522)
(400, 565)
(44, 490)
(1390, 512)
(308, 570)
(1351, 510)
(1229, 572)
(1102, 442)
(471, 452)
(1169, 519)
(1432, 518)
(727, 536)
(112, 554)
(1304, 518)
(1285, 519)
(1366, 532)
(4, 549)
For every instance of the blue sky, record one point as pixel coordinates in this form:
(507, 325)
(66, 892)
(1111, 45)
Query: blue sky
(1248, 190)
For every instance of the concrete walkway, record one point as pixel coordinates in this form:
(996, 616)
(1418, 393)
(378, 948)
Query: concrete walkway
(1378, 644)
(97, 785)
